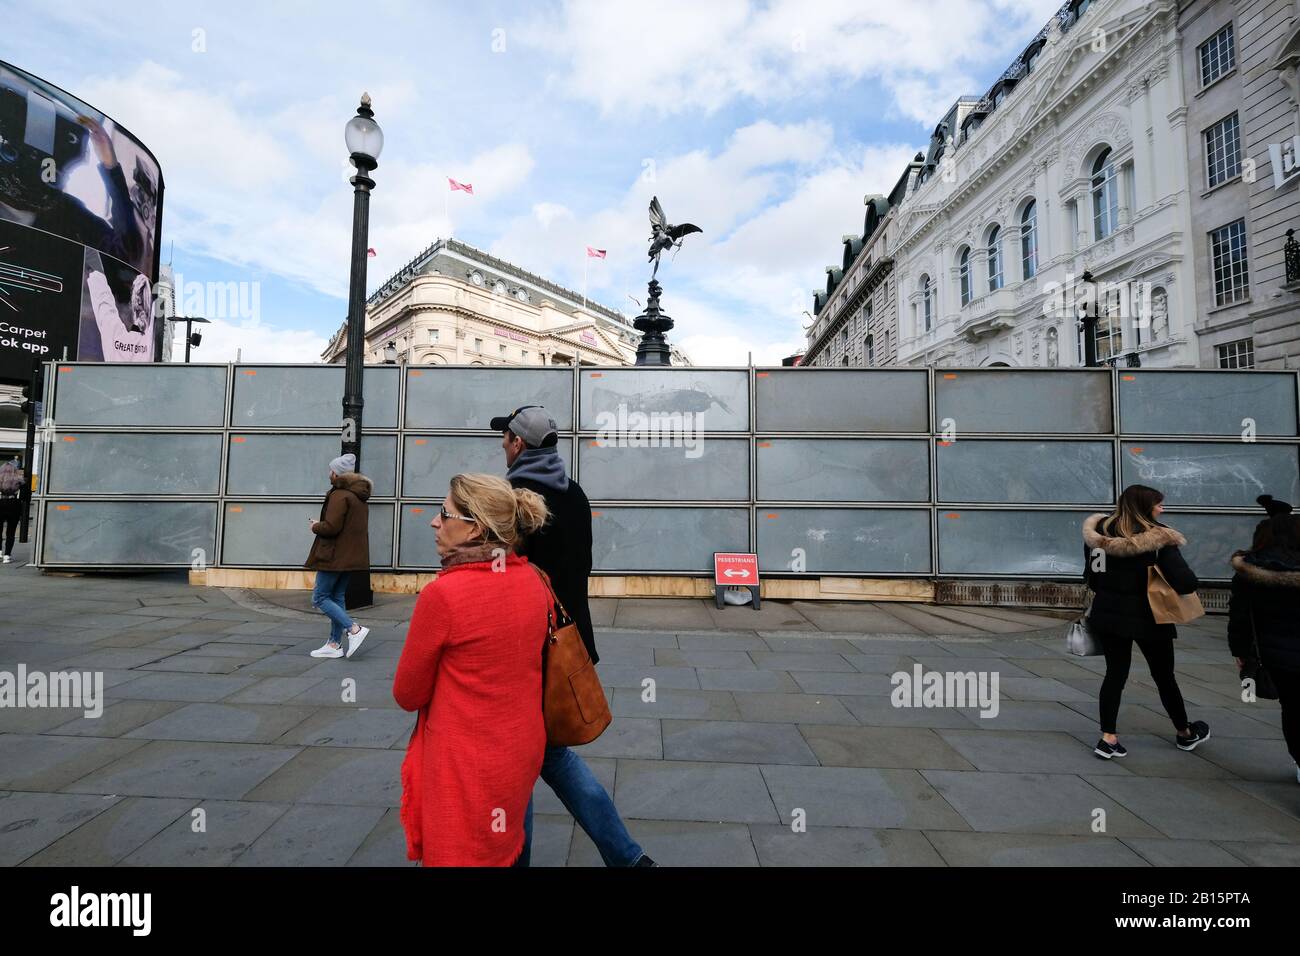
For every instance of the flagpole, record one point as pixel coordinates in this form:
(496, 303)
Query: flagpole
(584, 281)
(446, 216)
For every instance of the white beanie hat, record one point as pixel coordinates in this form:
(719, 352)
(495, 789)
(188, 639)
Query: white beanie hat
(344, 464)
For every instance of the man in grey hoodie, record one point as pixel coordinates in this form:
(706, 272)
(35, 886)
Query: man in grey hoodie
(562, 549)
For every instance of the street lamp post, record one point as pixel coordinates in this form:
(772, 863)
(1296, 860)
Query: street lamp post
(365, 141)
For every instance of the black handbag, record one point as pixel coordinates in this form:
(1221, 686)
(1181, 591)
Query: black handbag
(1253, 668)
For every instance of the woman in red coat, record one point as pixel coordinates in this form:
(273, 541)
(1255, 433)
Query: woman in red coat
(472, 667)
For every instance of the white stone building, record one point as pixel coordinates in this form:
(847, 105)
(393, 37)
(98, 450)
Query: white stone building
(454, 304)
(1073, 161)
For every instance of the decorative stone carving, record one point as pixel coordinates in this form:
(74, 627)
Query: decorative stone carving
(1159, 314)
(1108, 128)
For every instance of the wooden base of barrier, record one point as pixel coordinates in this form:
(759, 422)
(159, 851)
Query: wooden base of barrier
(612, 586)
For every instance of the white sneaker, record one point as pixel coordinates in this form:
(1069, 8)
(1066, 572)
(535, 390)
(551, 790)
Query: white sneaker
(354, 640)
(329, 650)
(7, 559)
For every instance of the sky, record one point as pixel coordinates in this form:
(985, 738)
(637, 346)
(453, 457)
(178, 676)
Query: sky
(765, 123)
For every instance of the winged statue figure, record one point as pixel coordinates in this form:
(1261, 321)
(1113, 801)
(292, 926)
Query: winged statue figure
(664, 235)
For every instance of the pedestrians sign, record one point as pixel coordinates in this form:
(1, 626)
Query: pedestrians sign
(735, 569)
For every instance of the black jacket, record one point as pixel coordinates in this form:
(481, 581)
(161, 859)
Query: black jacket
(563, 550)
(1120, 606)
(1265, 594)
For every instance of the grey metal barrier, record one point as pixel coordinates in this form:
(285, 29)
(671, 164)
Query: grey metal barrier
(967, 473)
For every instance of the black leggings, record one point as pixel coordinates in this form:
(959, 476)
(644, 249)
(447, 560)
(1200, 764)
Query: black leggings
(1288, 695)
(11, 512)
(1159, 653)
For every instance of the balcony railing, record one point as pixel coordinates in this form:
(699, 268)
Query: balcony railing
(1291, 252)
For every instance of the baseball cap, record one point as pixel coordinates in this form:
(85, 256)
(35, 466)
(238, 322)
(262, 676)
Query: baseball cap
(532, 423)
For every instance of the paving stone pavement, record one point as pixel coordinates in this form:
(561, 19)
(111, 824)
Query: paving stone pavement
(771, 739)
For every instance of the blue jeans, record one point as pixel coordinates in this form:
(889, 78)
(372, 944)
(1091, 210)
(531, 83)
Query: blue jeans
(582, 795)
(328, 597)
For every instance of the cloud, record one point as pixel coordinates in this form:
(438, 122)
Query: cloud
(249, 342)
(676, 56)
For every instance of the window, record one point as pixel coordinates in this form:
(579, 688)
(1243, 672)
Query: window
(478, 345)
(476, 278)
(1218, 55)
(499, 288)
(1238, 354)
(523, 355)
(963, 275)
(521, 295)
(1228, 256)
(1222, 151)
(845, 360)
(1029, 240)
(925, 302)
(433, 336)
(501, 349)
(995, 259)
(870, 350)
(1105, 196)
(1109, 337)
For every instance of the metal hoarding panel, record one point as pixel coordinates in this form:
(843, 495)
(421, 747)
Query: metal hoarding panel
(1207, 403)
(140, 396)
(841, 400)
(107, 463)
(277, 533)
(284, 396)
(1024, 471)
(1212, 474)
(441, 397)
(281, 465)
(129, 533)
(665, 539)
(430, 461)
(715, 469)
(843, 469)
(1011, 542)
(844, 540)
(1023, 401)
(628, 399)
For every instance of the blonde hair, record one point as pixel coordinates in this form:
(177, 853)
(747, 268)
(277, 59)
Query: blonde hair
(506, 515)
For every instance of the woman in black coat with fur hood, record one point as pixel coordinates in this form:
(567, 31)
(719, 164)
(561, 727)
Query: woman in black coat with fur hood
(1264, 611)
(1118, 550)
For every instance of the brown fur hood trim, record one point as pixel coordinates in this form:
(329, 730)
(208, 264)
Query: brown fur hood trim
(354, 482)
(1264, 576)
(1152, 539)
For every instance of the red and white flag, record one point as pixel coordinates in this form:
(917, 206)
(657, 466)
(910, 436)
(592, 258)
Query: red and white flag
(466, 187)
(371, 252)
(595, 253)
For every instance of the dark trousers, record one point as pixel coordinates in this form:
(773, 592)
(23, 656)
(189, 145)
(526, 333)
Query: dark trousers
(1287, 683)
(11, 512)
(1159, 653)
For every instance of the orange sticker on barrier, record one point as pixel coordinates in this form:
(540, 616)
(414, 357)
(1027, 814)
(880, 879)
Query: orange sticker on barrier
(952, 514)
(597, 374)
(765, 444)
(249, 371)
(772, 515)
(236, 508)
(762, 374)
(417, 511)
(69, 437)
(63, 507)
(943, 442)
(949, 374)
(239, 439)
(416, 373)
(422, 441)
(1136, 451)
(65, 368)
(1128, 378)
(595, 514)
(595, 444)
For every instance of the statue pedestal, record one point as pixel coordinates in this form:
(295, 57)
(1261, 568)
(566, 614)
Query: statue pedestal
(653, 348)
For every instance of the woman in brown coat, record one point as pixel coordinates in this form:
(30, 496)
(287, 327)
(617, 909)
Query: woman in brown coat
(342, 545)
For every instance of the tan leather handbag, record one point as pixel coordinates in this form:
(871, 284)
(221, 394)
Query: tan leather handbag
(1168, 606)
(573, 702)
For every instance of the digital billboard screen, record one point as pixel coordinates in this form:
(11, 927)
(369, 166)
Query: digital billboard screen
(80, 214)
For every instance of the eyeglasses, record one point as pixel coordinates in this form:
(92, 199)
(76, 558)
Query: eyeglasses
(445, 514)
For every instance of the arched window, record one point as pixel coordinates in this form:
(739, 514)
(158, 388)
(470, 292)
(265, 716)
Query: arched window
(845, 360)
(927, 316)
(1105, 196)
(995, 258)
(1029, 239)
(963, 275)
(871, 350)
